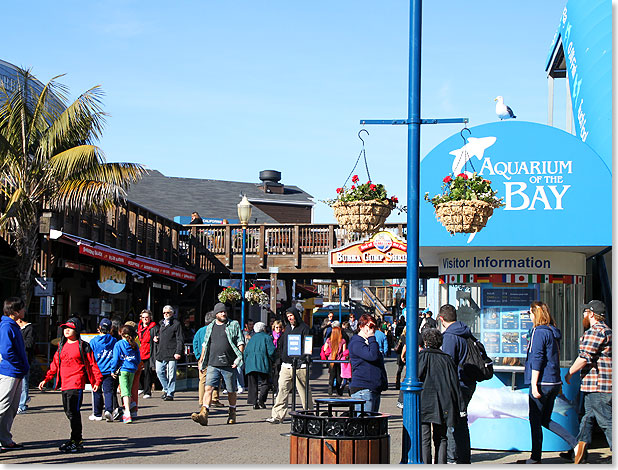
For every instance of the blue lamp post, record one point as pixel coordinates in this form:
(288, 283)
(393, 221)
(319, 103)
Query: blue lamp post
(244, 214)
(340, 284)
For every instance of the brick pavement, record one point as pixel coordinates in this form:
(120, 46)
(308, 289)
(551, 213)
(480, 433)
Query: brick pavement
(165, 434)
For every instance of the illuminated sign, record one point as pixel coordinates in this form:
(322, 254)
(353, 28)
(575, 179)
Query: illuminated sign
(383, 249)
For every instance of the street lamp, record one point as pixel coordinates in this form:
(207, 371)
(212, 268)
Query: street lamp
(340, 284)
(244, 214)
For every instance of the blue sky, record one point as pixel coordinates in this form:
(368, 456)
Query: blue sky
(222, 89)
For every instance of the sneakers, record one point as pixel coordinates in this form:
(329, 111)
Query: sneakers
(579, 450)
(70, 446)
(240, 390)
(231, 416)
(163, 396)
(127, 419)
(116, 414)
(21, 411)
(201, 417)
(139, 392)
(400, 405)
(169, 398)
(274, 420)
(146, 395)
(108, 417)
(95, 418)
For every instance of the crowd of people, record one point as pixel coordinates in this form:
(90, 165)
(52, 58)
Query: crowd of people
(257, 358)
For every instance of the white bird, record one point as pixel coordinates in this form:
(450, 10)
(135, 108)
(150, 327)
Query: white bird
(502, 110)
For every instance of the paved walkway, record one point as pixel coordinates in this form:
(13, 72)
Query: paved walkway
(165, 434)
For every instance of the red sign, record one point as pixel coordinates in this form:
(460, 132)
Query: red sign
(142, 264)
(382, 249)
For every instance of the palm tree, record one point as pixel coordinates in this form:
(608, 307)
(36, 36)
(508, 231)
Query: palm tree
(48, 161)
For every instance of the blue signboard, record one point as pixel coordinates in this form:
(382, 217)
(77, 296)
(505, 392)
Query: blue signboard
(551, 182)
(294, 345)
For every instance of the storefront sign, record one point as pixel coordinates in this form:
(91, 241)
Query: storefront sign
(140, 263)
(111, 280)
(382, 250)
(513, 263)
(556, 189)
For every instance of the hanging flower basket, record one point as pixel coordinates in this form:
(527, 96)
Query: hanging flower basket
(466, 203)
(229, 295)
(256, 296)
(363, 208)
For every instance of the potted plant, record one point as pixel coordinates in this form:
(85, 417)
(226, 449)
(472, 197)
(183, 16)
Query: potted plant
(229, 295)
(255, 295)
(466, 203)
(363, 207)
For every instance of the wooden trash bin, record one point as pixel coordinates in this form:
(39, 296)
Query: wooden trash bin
(339, 435)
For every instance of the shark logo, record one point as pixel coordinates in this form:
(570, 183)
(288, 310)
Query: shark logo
(474, 147)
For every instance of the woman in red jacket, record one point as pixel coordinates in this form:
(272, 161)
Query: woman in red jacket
(144, 332)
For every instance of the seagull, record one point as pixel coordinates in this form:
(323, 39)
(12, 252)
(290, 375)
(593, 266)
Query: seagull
(502, 110)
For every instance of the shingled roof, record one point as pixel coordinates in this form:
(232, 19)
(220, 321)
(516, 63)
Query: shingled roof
(172, 196)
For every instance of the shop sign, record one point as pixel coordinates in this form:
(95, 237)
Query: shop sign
(111, 280)
(142, 264)
(511, 263)
(381, 250)
(556, 189)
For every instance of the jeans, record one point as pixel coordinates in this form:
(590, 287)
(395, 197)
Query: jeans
(596, 405)
(229, 375)
(540, 410)
(372, 399)
(105, 394)
(439, 442)
(458, 448)
(25, 382)
(166, 371)
(72, 402)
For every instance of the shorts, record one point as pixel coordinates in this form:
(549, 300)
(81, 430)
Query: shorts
(228, 374)
(126, 383)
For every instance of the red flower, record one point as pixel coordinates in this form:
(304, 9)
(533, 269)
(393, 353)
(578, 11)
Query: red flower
(339, 190)
(487, 181)
(447, 179)
(355, 179)
(372, 187)
(394, 199)
(369, 182)
(463, 175)
(353, 187)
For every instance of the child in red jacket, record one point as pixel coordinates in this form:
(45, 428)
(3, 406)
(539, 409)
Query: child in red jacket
(74, 363)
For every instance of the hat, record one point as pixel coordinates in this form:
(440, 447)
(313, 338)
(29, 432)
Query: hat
(335, 324)
(74, 323)
(106, 323)
(220, 307)
(595, 306)
(132, 324)
(293, 310)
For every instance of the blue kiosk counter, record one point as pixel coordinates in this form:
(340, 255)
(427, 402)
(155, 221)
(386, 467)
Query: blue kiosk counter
(538, 246)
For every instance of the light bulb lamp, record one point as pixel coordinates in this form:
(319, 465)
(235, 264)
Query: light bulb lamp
(244, 214)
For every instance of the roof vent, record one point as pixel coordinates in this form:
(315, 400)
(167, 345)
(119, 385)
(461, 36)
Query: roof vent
(270, 180)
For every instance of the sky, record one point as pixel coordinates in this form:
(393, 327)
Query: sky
(221, 90)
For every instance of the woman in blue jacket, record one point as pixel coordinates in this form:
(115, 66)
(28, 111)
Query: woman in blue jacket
(126, 357)
(258, 356)
(543, 374)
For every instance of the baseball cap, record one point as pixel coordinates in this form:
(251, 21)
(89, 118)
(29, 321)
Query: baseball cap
(106, 323)
(220, 307)
(595, 306)
(74, 323)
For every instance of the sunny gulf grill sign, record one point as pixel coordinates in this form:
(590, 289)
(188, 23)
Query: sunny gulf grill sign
(383, 249)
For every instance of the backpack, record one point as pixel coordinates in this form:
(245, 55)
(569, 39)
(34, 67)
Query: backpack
(477, 365)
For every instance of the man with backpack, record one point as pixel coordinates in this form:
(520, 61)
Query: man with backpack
(455, 344)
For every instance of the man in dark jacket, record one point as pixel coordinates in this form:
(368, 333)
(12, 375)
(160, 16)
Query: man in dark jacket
(454, 344)
(295, 327)
(170, 345)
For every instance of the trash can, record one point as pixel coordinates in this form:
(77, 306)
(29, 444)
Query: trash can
(339, 434)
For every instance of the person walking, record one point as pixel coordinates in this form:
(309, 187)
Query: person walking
(285, 385)
(258, 356)
(334, 348)
(169, 349)
(401, 358)
(13, 368)
(125, 361)
(73, 364)
(454, 344)
(595, 363)
(29, 335)
(221, 357)
(441, 399)
(542, 373)
(103, 350)
(145, 335)
(369, 378)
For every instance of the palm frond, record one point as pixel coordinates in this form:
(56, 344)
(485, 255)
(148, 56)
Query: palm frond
(86, 195)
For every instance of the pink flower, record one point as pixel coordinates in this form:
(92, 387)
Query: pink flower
(447, 179)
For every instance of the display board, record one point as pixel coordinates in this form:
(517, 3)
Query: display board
(505, 319)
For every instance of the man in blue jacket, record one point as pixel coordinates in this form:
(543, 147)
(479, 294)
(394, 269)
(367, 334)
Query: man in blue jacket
(454, 344)
(13, 367)
(103, 347)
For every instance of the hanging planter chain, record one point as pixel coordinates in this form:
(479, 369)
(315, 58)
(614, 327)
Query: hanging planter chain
(361, 154)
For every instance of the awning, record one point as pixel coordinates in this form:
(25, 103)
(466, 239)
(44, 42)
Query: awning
(122, 258)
